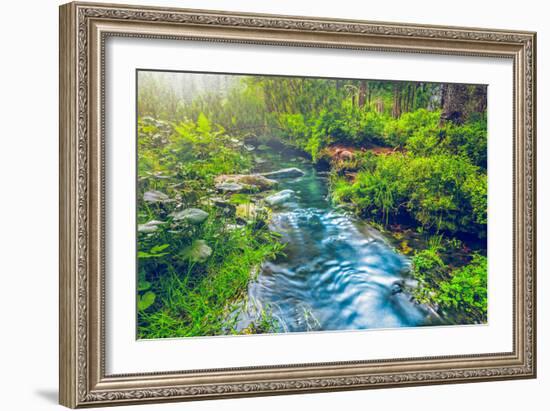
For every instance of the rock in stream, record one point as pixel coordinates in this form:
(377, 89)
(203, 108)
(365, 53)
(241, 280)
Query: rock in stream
(280, 197)
(291, 172)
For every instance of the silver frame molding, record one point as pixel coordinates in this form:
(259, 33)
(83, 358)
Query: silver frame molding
(84, 27)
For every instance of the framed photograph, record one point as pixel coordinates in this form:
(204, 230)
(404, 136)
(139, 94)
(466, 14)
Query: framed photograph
(260, 204)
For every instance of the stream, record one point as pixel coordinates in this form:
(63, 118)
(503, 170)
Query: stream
(338, 273)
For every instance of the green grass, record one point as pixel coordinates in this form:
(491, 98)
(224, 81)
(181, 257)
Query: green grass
(182, 293)
(197, 299)
(458, 293)
(443, 192)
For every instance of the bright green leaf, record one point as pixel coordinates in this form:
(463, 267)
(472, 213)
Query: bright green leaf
(146, 300)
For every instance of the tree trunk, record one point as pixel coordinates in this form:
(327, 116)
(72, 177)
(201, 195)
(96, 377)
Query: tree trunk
(369, 94)
(362, 93)
(379, 105)
(396, 109)
(453, 103)
(413, 97)
(479, 99)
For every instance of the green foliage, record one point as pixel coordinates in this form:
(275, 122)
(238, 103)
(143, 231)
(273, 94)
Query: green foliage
(341, 190)
(196, 296)
(294, 128)
(155, 252)
(191, 276)
(469, 141)
(203, 125)
(240, 199)
(429, 269)
(145, 300)
(465, 294)
(186, 152)
(420, 123)
(313, 147)
(372, 127)
(143, 285)
(458, 293)
(311, 132)
(440, 192)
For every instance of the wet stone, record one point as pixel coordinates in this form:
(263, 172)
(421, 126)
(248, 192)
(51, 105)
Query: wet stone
(280, 197)
(190, 215)
(291, 172)
(155, 197)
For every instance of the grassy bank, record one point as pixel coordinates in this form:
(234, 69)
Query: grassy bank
(193, 267)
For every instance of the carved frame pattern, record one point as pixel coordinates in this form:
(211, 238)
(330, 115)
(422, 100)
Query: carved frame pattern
(82, 378)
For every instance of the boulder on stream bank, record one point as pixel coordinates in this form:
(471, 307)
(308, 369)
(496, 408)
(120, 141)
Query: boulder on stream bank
(243, 182)
(190, 215)
(154, 196)
(197, 252)
(149, 227)
(230, 187)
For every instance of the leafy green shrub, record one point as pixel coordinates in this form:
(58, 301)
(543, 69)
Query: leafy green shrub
(197, 152)
(421, 122)
(440, 192)
(475, 186)
(341, 190)
(190, 276)
(423, 143)
(340, 124)
(313, 147)
(461, 294)
(371, 127)
(428, 269)
(469, 140)
(464, 295)
(437, 196)
(294, 127)
(195, 296)
(345, 123)
(380, 191)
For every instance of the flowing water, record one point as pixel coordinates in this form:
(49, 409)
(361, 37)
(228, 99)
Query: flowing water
(338, 273)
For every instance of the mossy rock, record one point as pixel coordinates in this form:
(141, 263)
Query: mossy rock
(190, 215)
(197, 252)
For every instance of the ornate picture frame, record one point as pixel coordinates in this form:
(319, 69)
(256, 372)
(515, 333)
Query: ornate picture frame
(84, 29)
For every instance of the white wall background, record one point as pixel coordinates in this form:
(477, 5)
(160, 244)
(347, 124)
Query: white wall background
(28, 205)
